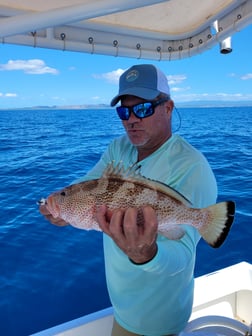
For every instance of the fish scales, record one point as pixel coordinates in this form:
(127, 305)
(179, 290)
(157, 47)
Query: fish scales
(119, 188)
(123, 194)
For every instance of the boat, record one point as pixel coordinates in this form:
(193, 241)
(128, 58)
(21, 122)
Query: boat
(225, 308)
(141, 30)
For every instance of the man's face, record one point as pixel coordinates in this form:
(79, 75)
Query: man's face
(148, 133)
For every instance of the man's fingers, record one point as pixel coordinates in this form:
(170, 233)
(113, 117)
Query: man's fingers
(130, 227)
(116, 225)
(103, 218)
(150, 220)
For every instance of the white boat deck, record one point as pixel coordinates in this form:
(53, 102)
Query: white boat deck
(222, 299)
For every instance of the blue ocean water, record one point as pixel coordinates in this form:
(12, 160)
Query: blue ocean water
(49, 275)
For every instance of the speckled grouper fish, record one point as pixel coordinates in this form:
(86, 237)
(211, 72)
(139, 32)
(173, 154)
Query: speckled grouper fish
(119, 188)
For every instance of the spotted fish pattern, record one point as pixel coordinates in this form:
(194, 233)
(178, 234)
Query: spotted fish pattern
(120, 188)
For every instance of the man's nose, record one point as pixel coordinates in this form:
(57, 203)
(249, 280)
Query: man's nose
(133, 118)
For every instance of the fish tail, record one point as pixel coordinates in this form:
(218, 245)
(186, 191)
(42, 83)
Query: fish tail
(222, 217)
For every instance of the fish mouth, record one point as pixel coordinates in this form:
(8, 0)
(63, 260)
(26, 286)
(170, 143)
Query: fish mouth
(42, 201)
(52, 206)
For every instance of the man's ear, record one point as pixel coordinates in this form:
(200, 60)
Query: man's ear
(169, 105)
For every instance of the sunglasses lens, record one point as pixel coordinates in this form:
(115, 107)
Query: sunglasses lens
(143, 110)
(123, 112)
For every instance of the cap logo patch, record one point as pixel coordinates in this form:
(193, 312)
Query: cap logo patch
(132, 76)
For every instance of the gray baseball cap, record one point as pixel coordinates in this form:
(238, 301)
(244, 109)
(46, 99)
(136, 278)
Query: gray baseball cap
(145, 81)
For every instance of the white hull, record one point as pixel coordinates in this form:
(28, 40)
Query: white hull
(222, 306)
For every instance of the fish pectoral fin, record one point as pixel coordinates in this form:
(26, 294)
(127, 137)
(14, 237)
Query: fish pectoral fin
(173, 232)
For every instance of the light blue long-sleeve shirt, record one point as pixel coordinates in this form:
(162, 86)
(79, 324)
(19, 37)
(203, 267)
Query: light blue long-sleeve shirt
(156, 298)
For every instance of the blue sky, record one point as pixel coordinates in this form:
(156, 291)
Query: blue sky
(35, 76)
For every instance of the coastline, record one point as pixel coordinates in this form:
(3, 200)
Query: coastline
(190, 104)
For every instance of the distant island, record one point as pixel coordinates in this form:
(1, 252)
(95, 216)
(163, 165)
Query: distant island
(61, 107)
(214, 103)
(190, 104)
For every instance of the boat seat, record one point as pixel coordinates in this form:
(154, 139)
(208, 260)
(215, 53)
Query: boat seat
(214, 325)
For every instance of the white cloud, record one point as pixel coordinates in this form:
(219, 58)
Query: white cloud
(11, 95)
(246, 76)
(176, 79)
(242, 77)
(8, 95)
(111, 77)
(96, 98)
(31, 67)
(180, 89)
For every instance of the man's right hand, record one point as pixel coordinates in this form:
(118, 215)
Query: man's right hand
(136, 240)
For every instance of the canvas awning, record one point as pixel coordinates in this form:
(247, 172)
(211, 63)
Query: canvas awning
(148, 29)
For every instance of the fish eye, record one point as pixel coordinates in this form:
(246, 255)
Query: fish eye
(63, 193)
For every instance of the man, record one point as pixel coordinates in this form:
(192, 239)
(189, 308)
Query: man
(149, 277)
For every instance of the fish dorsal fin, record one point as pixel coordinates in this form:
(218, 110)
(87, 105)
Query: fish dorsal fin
(132, 175)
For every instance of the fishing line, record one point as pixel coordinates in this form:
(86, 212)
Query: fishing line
(179, 119)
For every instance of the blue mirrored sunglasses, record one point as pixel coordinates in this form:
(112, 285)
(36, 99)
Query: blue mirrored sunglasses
(141, 111)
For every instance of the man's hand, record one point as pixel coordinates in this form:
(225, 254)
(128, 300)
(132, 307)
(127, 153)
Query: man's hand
(46, 213)
(135, 233)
